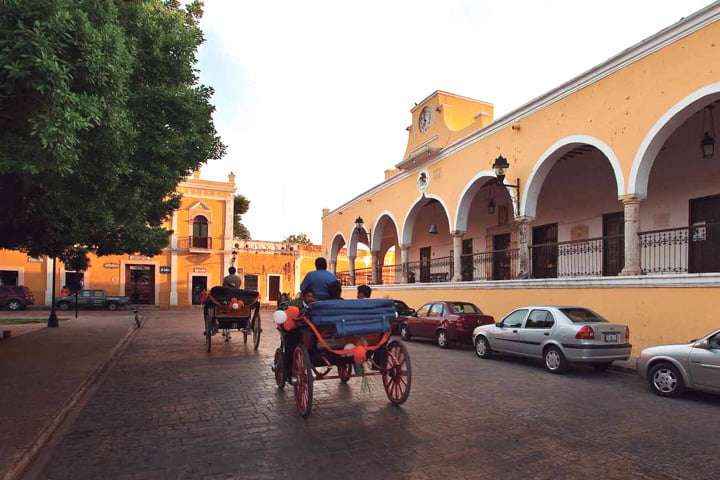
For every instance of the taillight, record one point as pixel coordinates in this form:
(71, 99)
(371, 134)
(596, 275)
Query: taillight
(585, 333)
(627, 333)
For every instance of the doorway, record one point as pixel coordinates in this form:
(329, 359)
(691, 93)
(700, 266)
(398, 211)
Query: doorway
(9, 278)
(501, 260)
(613, 249)
(466, 260)
(544, 251)
(425, 254)
(199, 283)
(273, 287)
(704, 235)
(140, 286)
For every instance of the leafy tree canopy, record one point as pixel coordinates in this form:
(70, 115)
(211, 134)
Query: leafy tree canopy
(241, 205)
(301, 238)
(101, 115)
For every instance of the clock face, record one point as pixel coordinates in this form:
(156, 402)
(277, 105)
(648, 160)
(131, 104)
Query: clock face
(424, 121)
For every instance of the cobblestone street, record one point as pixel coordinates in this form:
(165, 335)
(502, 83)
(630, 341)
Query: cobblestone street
(170, 410)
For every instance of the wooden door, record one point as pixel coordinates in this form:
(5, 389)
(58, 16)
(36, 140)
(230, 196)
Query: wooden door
(613, 248)
(501, 260)
(704, 235)
(466, 260)
(274, 287)
(545, 251)
(425, 253)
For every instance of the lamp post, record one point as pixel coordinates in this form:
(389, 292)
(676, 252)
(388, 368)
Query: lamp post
(501, 164)
(53, 319)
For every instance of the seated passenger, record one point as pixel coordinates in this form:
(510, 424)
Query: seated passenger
(319, 280)
(364, 291)
(335, 290)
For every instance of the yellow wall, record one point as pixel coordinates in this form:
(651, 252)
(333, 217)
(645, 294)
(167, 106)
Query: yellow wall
(655, 315)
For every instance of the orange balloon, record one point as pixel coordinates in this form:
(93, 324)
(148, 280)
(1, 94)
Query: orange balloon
(289, 323)
(292, 312)
(360, 354)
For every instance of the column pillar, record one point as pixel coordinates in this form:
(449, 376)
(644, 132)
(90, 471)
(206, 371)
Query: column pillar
(523, 224)
(375, 268)
(351, 270)
(404, 256)
(632, 240)
(457, 256)
(333, 266)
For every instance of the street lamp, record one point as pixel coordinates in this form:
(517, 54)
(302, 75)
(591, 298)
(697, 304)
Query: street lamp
(708, 140)
(501, 164)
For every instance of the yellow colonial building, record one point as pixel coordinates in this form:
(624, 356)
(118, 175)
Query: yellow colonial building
(604, 192)
(200, 251)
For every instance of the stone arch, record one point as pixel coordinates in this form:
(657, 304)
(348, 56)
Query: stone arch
(379, 229)
(531, 192)
(338, 242)
(659, 133)
(466, 197)
(411, 215)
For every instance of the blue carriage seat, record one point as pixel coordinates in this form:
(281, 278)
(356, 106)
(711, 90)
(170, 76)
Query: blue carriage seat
(353, 317)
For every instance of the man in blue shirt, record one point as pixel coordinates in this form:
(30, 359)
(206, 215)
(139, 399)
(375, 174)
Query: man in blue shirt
(319, 280)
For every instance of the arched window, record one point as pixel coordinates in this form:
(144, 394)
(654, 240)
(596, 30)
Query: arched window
(200, 232)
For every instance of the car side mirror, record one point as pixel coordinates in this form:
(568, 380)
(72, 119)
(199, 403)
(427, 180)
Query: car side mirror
(499, 325)
(704, 344)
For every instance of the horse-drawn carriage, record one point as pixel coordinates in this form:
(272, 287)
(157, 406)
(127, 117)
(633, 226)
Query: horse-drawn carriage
(351, 335)
(227, 309)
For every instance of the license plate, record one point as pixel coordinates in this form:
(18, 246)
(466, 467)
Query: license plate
(611, 337)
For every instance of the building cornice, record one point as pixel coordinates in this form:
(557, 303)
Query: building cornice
(679, 30)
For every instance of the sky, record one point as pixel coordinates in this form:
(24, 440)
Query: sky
(313, 98)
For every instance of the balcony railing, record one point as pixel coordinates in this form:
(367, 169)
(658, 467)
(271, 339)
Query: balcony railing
(195, 243)
(433, 270)
(495, 265)
(691, 249)
(592, 257)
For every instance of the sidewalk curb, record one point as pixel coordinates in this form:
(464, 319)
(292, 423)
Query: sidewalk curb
(26, 458)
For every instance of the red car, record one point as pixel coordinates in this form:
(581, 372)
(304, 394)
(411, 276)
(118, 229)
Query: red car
(445, 322)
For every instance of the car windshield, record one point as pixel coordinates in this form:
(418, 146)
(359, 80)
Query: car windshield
(582, 315)
(464, 308)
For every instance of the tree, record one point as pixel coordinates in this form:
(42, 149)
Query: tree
(240, 206)
(101, 115)
(301, 239)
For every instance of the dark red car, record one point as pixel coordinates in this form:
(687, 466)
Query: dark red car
(445, 322)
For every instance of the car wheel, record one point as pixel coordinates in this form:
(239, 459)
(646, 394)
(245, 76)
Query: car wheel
(666, 381)
(404, 332)
(442, 339)
(112, 306)
(601, 367)
(482, 347)
(63, 306)
(555, 361)
(14, 305)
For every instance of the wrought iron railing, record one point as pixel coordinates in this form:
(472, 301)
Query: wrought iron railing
(592, 257)
(363, 276)
(495, 265)
(433, 270)
(195, 242)
(690, 249)
(344, 278)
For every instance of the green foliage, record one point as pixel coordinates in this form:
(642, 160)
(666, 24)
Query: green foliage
(101, 115)
(241, 205)
(300, 238)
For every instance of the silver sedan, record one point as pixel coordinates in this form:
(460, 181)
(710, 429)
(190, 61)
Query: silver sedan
(672, 368)
(558, 335)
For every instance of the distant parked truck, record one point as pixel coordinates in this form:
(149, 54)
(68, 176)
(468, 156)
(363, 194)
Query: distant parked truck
(91, 299)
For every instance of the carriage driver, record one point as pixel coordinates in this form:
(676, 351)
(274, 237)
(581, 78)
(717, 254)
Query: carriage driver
(319, 280)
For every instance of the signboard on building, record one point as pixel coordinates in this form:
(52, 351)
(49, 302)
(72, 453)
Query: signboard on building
(164, 269)
(35, 259)
(199, 270)
(139, 257)
(111, 265)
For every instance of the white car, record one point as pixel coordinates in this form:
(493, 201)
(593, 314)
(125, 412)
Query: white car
(672, 368)
(558, 335)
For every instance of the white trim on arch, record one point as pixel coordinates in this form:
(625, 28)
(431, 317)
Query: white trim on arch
(376, 242)
(659, 133)
(333, 251)
(466, 197)
(409, 223)
(530, 194)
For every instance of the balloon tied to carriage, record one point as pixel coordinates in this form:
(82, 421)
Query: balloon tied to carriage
(339, 340)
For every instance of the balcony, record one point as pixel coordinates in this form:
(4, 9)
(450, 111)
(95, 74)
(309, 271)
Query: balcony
(691, 249)
(195, 244)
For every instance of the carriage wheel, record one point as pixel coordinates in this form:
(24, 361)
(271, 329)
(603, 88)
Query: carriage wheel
(344, 371)
(279, 368)
(208, 328)
(397, 373)
(302, 371)
(257, 328)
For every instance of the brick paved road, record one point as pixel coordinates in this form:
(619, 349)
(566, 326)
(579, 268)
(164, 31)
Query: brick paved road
(170, 410)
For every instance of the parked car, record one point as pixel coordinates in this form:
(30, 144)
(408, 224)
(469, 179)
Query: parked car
(558, 335)
(91, 299)
(670, 369)
(446, 322)
(16, 297)
(403, 311)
